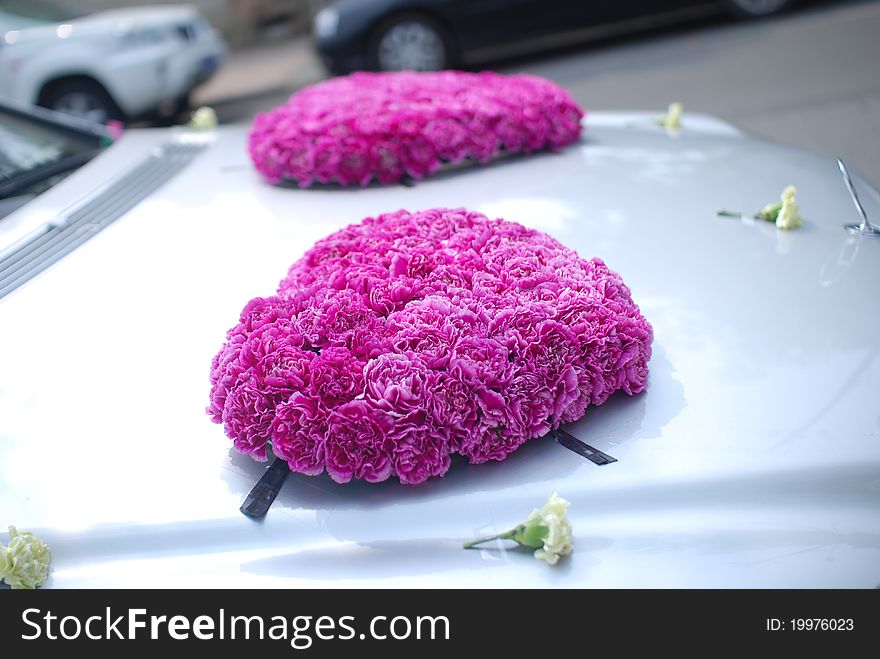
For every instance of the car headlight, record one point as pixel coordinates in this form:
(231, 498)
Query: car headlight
(326, 22)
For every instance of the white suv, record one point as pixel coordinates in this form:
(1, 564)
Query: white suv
(116, 64)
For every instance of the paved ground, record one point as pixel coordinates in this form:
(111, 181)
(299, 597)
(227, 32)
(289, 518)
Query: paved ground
(809, 78)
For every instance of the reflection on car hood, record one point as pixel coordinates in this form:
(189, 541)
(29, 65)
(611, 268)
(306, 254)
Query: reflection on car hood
(752, 459)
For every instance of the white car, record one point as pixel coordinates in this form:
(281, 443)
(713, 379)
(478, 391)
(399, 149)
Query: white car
(751, 460)
(116, 64)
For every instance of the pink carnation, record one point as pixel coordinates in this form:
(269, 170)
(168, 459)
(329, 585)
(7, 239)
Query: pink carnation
(421, 451)
(382, 126)
(357, 444)
(336, 376)
(399, 383)
(299, 430)
(400, 341)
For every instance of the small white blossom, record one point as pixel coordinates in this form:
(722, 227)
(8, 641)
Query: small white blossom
(546, 530)
(203, 119)
(784, 213)
(789, 216)
(672, 119)
(24, 562)
(553, 517)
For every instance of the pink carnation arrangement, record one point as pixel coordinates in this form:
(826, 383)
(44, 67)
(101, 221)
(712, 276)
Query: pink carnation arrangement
(352, 129)
(400, 341)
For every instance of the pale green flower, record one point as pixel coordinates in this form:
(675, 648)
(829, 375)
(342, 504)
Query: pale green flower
(546, 530)
(784, 213)
(672, 119)
(789, 216)
(203, 119)
(24, 562)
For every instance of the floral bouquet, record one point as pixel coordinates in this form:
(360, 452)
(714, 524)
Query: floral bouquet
(399, 341)
(353, 129)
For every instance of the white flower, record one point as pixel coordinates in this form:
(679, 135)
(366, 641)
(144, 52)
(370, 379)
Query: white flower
(789, 216)
(203, 119)
(24, 562)
(784, 213)
(557, 539)
(672, 119)
(547, 531)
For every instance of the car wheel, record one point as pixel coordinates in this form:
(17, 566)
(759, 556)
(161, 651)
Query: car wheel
(83, 98)
(756, 8)
(415, 43)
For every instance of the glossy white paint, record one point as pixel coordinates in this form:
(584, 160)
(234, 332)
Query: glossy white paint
(752, 460)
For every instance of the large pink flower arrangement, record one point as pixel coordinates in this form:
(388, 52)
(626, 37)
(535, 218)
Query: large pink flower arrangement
(409, 337)
(352, 129)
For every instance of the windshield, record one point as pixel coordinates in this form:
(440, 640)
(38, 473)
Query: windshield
(42, 10)
(38, 147)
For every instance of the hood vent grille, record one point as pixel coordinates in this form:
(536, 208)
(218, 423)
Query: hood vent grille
(31, 256)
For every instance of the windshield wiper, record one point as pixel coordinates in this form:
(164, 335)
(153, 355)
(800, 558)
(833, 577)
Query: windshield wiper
(22, 182)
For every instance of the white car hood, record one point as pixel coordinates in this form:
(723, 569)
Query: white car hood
(752, 460)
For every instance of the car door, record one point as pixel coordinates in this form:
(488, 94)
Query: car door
(485, 24)
(595, 12)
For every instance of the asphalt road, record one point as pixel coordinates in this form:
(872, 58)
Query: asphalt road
(809, 78)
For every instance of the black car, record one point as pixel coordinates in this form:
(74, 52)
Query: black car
(390, 35)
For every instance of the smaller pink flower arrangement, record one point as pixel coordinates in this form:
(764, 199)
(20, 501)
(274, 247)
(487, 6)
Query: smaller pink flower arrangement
(384, 126)
(403, 340)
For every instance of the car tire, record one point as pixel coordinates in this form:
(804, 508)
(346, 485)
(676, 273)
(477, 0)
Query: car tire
(755, 8)
(81, 97)
(410, 42)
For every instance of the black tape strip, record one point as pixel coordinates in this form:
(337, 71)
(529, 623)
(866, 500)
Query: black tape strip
(259, 499)
(583, 449)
